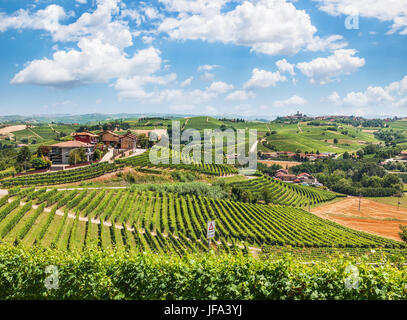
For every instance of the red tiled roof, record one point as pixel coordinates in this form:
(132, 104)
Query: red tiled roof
(129, 135)
(108, 131)
(72, 144)
(304, 174)
(83, 134)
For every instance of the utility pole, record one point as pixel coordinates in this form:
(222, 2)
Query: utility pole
(399, 200)
(360, 199)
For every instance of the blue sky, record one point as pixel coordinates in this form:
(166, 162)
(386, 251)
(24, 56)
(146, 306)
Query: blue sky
(215, 57)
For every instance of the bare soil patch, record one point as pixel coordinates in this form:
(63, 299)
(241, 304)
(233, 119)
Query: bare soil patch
(10, 129)
(284, 164)
(374, 217)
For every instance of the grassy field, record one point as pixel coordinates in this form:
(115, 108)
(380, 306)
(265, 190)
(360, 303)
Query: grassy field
(392, 201)
(291, 137)
(398, 124)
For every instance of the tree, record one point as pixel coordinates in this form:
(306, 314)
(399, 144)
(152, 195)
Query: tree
(403, 233)
(267, 195)
(24, 156)
(98, 154)
(39, 163)
(142, 141)
(42, 151)
(335, 141)
(392, 180)
(346, 155)
(77, 156)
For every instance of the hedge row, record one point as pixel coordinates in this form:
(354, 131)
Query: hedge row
(24, 274)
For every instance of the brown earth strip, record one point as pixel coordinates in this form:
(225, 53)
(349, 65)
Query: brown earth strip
(374, 217)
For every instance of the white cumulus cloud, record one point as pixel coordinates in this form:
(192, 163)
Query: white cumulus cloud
(284, 66)
(266, 26)
(240, 95)
(264, 79)
(290, 102)
(324, 70)
(95, 62)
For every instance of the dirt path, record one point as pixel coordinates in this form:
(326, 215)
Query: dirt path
(52, 128)
(35, 134)
(373, 217)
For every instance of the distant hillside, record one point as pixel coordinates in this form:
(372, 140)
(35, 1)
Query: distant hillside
(81, 119)
(99, 117)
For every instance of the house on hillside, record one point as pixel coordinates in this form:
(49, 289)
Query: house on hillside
(127, 141)
(306, 178)
(286, 177)
(109, 138)
(303, 178)
(59, 153)
(86, 137)
(124, 142)
(283, 175)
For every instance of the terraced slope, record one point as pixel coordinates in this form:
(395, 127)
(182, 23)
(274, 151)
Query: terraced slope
(286, 193)
(61, 177)
(143, 160)
(147, 221)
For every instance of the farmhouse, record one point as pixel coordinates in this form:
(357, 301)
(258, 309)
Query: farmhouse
(86, 137)
(109, 138)
(283, 175)
(59, 153)
(304, 178)
(127, 141)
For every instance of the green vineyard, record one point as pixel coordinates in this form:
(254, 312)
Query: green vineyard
(163, 223)
(61, 177)
(143, 160)
(286, 193)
